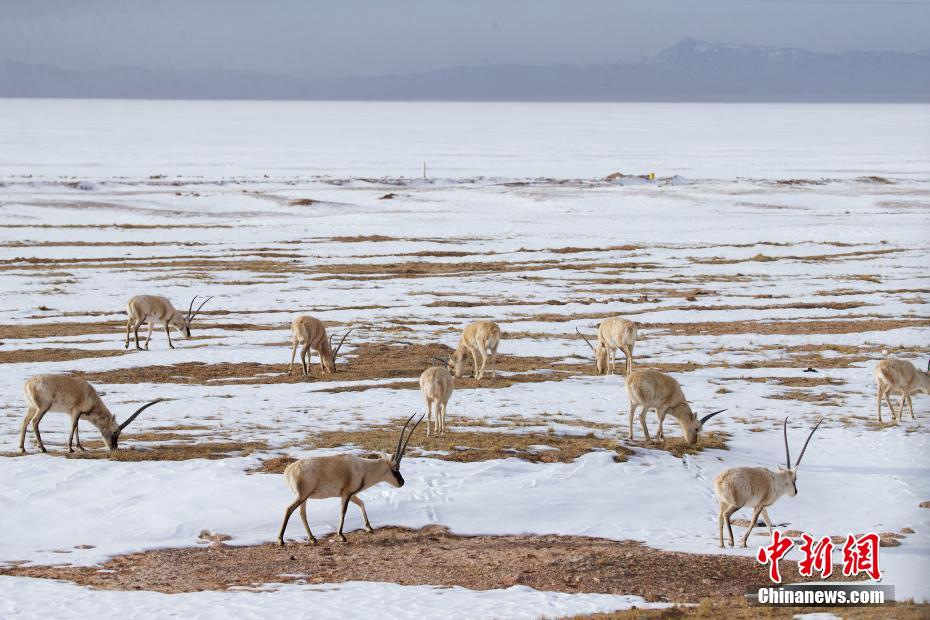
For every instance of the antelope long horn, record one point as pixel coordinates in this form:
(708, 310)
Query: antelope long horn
(397, 454)
(137, 412)
(198, 308)
(410, 434)
(346, 335)
(190, 309)
(807, 442)
(787, 452)
(710, 415)
(586, 340)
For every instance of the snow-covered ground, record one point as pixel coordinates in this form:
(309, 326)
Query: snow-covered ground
(752, 250)
(52, 599)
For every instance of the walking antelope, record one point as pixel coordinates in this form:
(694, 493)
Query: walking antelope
(757, 487)
(478, 338)
(900, 376)
(651, 389)
(157, 309)
(437, 384)
(613, 333)
(311, 333)
(343, 476)
(77, 398)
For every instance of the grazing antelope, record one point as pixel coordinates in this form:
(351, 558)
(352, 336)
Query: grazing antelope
(343, 476)
(310, 332)
(613, 333)
(157, 309)
(651, 389)
(478, 338)
(437, 384)
(77, 398)
(900, 376)
(757, 487)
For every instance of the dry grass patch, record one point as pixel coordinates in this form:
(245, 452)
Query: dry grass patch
(820, 398)
(789, 327)
(433, 556)
(182, 448)
(176, 452)
(779, 327)
(21, 356)
(865, 278)
(466, 446)
(462, 444)
(814, 258)
(273, 465)
(798, 305)
(677, 446)
(369, 361)
(58, 330)
(416, 269)
(365, 239)
(795, 382)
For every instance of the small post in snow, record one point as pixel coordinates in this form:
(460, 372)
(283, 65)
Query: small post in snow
(424, 170)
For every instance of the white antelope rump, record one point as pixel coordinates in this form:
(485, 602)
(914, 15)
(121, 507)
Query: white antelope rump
(651, 389)
(342, 476)
(479, 339)
(612, 334)
(437, 384)
(77, 398)
(311, 333)
(756, 487)
(900, 376)
(156, 309)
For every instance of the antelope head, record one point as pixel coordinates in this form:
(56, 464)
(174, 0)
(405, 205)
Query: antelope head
(395, 479)
(329, 360)
(600, 354)
(456, 363)
(691, 425)
(112, 432)
(792, 472)
(186, 321)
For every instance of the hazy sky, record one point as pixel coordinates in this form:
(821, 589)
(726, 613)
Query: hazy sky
(365, 37)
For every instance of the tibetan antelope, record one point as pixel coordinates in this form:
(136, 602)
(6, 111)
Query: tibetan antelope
(77, 398)
(343, 476)
(613, 333)
(756, 487)
(156, 309)
(478, 339)
(311, 333)
(651, 389)
(900, 376)
(437, 384)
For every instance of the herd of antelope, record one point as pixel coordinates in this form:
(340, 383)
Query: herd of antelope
(346, 476)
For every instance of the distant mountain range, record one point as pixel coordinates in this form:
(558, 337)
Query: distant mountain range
(691, 70)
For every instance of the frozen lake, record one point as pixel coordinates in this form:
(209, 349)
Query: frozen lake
(102, 138)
